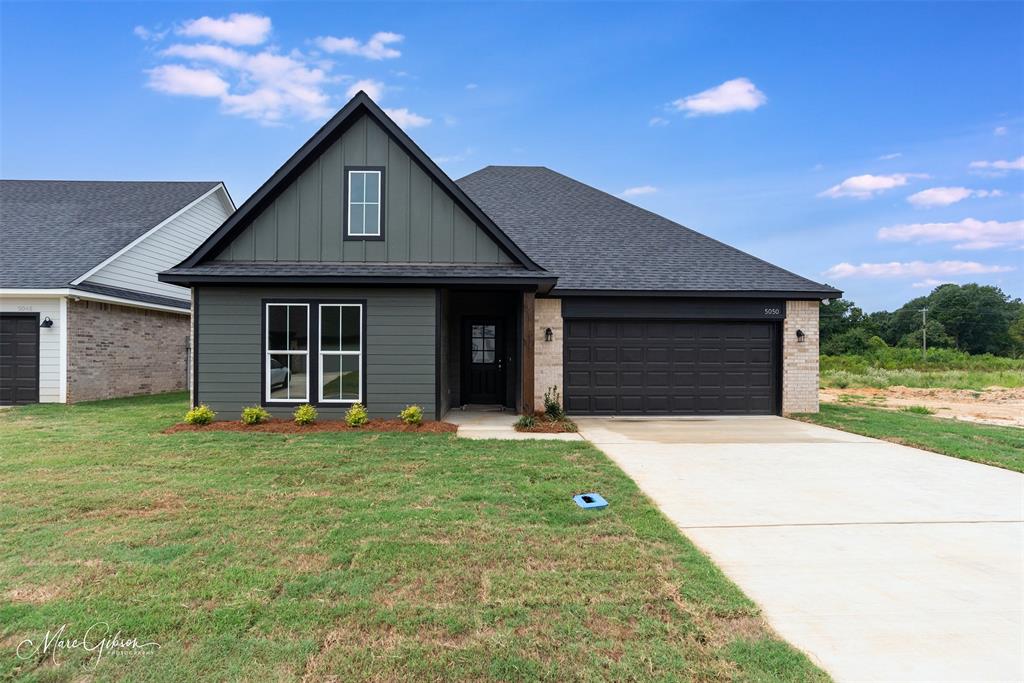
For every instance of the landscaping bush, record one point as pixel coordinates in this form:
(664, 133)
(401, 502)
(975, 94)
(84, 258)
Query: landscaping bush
(553, 404)
(357, 415)
(200, 415)
(254, 415)
(526, 422)
(412, 415)
(305, 414)
(917, 410)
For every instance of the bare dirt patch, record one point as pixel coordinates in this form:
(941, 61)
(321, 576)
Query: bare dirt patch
(280, 426)
(542, 426)
(33, 595)
(995, 406)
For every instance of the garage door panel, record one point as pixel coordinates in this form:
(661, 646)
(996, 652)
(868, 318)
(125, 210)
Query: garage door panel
(19, 358)
(671, 367)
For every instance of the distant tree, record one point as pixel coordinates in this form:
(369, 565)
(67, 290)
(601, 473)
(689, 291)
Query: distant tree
(837, 317)
(937, 337)
(977, 317)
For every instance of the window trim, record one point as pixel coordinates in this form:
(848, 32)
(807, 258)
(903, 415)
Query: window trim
(268, 353)
(313, 348)
(347, 182)
(320, 354)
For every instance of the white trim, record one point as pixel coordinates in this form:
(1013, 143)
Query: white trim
(320, 354)
(364, 204)
(96, 268)
(92, 296)
(62, 363)
(267, 353)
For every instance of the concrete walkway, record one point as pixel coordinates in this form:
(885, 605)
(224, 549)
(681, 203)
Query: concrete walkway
(882, 562)
(492, 424)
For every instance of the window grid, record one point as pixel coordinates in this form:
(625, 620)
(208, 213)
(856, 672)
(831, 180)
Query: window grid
(340, 352)
(270, 353)
(358, 228)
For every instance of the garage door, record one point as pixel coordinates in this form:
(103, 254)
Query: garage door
(668, 367)
(19, 358)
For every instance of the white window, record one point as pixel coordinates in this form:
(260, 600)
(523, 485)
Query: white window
(286, 370)
(341, 353)
(364, 216)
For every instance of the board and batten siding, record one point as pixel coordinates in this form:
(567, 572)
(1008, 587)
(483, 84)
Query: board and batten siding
(136, 268)
(422, 224)
(49, 340)
(399, 347)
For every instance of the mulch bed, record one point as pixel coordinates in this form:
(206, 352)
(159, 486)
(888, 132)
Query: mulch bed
(550, 427)
(281, 426)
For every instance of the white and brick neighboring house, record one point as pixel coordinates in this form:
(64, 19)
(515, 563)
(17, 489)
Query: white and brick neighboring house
(82, 313)
(360, 272)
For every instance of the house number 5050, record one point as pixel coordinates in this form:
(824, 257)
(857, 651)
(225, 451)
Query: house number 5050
(773, 311)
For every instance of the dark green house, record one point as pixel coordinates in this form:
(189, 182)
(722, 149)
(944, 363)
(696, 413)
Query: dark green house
(360, 272)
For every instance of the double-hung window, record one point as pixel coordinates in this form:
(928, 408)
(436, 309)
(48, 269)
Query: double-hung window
(286, 371)
(365, 217)
(341, 353)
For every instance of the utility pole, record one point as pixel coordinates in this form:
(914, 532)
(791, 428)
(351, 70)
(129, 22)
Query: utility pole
(924, 334)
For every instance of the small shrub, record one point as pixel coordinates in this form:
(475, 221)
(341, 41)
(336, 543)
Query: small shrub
(412, 415)
(526, 422)
(357, 415)
(254, 415)
(569, 426)
(305, 414)
(200, 415)
(917, 410)
(553, 404)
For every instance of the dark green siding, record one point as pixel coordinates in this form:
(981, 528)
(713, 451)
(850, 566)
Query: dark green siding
(400, 347)
(422, 223)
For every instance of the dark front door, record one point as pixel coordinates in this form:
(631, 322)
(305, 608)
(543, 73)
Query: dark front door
(483, 361)
(19, 358)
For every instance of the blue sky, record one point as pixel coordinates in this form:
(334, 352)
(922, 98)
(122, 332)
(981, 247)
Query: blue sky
(878, 147)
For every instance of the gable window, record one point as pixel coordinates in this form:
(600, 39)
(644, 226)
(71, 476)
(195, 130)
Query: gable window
(341, 353)
(286, 361)
(365, 191)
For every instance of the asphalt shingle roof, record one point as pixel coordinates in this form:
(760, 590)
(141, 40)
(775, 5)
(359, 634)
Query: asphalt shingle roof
(594, 241)
(52, 231)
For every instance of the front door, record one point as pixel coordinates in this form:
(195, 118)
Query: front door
(483, 363)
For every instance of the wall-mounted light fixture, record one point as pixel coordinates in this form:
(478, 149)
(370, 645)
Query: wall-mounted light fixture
(46, 322)
(548, 335)
(800, 336)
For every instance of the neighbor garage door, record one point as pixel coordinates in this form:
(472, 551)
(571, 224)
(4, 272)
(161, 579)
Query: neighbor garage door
(670, 367)
(19, 358)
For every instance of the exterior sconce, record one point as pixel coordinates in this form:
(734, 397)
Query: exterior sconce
(800, 336)
(46, 322)
(548, 335)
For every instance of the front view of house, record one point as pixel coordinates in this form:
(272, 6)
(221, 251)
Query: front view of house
(359, 272)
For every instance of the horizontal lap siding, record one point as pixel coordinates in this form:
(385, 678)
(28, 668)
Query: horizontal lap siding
(399, 347)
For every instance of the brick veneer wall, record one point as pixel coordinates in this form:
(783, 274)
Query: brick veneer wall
(124, 351)
(547, 363)
(800, 359)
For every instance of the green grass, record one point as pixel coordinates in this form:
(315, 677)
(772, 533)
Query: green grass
(363, 556)
(988, 444)
(943, 368)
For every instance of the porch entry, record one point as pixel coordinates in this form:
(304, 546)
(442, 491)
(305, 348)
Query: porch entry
(483, 362)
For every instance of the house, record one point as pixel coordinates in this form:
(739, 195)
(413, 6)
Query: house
(361, 272)
(82, 314)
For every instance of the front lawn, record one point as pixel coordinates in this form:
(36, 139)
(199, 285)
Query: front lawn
(272, 557)
(988, 444)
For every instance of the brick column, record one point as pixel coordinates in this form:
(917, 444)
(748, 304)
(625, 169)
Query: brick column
(800, 358)
(547, 355)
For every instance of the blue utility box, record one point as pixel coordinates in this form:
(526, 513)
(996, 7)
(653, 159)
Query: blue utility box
(590, 501)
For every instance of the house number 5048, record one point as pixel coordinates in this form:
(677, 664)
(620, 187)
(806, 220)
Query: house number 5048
(773, 311)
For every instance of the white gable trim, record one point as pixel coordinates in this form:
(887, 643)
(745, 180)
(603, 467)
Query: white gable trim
(225, 197)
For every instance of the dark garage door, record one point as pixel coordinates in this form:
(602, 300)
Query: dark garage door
(19, 358)
(668, 367)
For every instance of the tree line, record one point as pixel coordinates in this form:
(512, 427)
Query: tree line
(972, 318)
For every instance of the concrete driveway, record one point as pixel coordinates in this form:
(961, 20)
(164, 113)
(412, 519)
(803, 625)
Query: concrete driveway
(882, 562)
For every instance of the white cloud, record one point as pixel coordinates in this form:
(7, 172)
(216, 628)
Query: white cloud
(377, 47)
(375, 89)
(969, 233)
(1000, 130)
(455, 158)
(1003, 165)
(237, 29)
(929, 283)
(153, 35)
(944, 196)
(887, 157)
(205, 52)
(866, 186)
(922, 269)
(739, 94)
(175, 79)
(638, 191)
(406, 119)
(657, 121)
